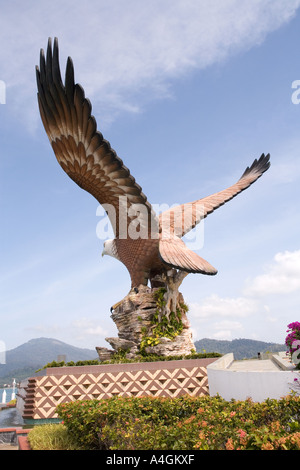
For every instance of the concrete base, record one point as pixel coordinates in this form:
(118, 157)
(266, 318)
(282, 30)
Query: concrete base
(39, 396)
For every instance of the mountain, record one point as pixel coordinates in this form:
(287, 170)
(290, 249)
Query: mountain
(24, 360)
(241, 348)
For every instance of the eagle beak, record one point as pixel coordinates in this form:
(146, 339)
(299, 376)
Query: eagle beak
(102, 253)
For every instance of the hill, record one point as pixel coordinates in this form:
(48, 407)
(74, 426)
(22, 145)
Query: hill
(24, 360)
(241, 348)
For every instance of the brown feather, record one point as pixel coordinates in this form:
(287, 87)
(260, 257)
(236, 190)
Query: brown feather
(72, 131)
(175, 253)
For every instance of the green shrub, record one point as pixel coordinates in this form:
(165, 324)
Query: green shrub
(184, 423)
(52, 437)
(120, 357)
(88, 362)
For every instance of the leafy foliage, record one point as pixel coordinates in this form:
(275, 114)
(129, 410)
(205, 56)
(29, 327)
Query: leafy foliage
(92, 362)
(184, 423)
(161, 325)
(120, 357)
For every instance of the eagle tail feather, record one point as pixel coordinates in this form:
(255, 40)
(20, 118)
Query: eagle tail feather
(175, 254)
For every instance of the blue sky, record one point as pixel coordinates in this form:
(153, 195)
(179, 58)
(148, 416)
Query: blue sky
(188, 93)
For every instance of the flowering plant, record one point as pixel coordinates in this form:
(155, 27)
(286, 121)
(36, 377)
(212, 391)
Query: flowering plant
(183, 423)
(296, 386)
(292, 341)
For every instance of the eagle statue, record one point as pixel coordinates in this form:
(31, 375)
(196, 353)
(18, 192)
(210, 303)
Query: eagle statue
(148, 244)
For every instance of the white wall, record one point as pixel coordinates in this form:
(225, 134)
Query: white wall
(240, 385)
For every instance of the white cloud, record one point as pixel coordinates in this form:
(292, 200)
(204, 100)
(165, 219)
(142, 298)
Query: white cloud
(223, 335)
(86, 326)
(225, 318)
(281, 277)
(127, 53)
(226, 329)
(215, 306)
(44, 330)
(83, 332)
(228, 324)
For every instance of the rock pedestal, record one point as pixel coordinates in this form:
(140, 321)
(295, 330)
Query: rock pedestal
(145, 323)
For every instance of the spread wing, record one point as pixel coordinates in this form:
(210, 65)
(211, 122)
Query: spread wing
(176, 222)
(82, 151)
(181, 219)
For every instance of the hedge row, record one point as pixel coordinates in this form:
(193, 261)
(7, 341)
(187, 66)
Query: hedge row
(120, 358)
(185, 423)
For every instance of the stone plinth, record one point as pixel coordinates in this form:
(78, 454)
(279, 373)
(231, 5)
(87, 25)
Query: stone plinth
(145, 323)
(40, 395)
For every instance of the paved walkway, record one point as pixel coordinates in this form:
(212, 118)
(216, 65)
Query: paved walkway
(8, 447)
(255, 365)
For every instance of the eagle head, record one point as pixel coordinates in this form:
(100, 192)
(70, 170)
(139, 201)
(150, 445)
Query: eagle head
(109, 248)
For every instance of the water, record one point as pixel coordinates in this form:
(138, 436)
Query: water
(9, 417)
(8, 394)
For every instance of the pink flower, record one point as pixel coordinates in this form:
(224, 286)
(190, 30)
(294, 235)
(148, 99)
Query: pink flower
(229, 444)
(243, 435)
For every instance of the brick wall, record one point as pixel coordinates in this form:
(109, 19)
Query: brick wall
(40, 395)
